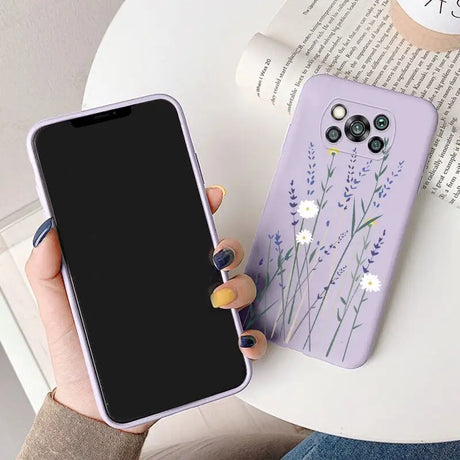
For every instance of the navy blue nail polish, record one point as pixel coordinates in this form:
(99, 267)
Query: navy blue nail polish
(223, 258)
(247, 341)
(42, 231)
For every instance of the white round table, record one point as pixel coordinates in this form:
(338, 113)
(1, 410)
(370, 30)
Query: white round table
(409, 390)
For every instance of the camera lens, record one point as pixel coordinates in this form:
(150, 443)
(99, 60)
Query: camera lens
(357, 128)
(375, 144)
(333, 134)
(381, 122)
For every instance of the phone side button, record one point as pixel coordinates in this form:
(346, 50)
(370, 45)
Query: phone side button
(199, 168)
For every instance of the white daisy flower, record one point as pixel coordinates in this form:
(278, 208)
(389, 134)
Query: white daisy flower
(304, 237)
(370, 283)
(308, 209)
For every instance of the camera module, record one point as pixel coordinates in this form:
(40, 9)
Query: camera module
(333, 134)
(357, 128)
(381, 122)
(375, 144)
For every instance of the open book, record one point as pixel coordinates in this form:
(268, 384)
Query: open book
(355, 39)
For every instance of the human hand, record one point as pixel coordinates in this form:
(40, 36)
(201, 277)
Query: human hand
(43, 269)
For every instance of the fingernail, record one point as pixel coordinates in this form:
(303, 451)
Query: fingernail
(222, 297)
(223, 258)
(221, 188)
(247, 341)
(42, 231)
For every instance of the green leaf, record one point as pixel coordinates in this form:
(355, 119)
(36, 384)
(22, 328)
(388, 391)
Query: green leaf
(368, 222)
(383, 170)
(310, 258)
(288, 254)
(362, 206)
(343, 300)
(378, 189)
(355, 309)
(324, 204)
(280, 262)
(353, 217)
(322, 187)
(376, 177)
(327, 190)
(338, 316)
(357, 325)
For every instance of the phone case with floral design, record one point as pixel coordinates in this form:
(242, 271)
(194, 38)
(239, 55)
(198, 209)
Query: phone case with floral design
(335, 216)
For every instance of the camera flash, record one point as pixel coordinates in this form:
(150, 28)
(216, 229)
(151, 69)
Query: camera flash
(339, 112)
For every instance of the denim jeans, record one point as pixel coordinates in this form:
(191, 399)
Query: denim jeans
(320, 446)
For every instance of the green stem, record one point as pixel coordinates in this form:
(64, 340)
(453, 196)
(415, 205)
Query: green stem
(309, 303)
(280, 264)
(349, 300)
(385, 156)
(254, 318)
(320, 205)
(294, 265)
(306, 314)
(353, 327)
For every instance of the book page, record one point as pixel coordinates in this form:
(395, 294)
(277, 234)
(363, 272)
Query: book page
(355, 39)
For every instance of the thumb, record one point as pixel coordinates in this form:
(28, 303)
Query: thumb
(43, 269)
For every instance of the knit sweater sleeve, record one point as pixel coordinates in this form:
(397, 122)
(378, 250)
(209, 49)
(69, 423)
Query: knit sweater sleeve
(61, 433)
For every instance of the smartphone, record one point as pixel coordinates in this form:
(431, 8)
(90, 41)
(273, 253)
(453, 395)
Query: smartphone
(124, 188)
(335, 216)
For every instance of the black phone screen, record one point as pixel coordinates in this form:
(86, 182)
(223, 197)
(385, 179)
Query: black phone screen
(136, 243)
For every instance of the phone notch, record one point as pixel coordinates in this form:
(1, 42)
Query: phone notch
(99, 117)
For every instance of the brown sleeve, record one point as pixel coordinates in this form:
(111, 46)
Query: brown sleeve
(61, 433)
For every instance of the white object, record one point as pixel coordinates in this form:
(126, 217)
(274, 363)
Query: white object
(408, 390)
(438, 15)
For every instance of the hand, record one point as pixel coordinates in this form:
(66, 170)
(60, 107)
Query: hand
(43, 270)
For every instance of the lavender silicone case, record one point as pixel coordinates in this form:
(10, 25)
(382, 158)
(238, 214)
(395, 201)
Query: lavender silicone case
(67, 282)
(329, 236)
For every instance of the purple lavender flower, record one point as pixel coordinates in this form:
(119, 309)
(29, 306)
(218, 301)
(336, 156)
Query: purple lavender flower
(278, 240)
(383, 190)
(374, 252)
(293, 203)
(338, 274)
(326, 249)
(311, 169)
(353, 180)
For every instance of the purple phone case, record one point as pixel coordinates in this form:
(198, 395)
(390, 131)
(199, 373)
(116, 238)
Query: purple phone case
(334, 220)
(70, 294)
